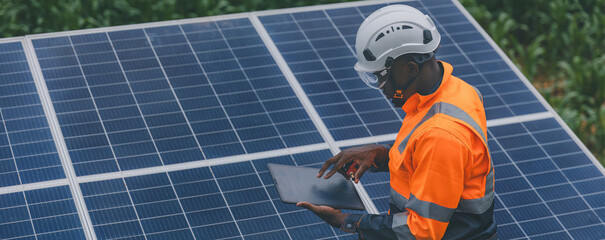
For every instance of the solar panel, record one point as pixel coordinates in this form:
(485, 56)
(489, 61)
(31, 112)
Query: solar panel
(226, 201)
(164, 95)
(163, 130)
(27, 149)
(48, 213)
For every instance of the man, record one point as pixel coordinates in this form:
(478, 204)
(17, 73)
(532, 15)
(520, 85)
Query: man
(441, 175)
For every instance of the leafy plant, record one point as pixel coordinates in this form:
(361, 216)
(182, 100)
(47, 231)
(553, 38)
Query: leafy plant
(558, 45)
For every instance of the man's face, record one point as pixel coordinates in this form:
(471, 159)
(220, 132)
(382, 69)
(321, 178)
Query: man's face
(399, 74)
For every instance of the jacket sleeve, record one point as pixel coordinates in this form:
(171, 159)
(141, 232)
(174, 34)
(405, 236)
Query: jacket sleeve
(436, 184)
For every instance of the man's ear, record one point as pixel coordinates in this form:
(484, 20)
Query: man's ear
(413, 67)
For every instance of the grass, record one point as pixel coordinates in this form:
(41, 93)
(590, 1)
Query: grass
(557, 44)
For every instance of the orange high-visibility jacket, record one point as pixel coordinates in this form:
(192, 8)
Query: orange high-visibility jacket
(442, 178)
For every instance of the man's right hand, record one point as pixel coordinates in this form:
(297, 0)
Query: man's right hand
(365, 156)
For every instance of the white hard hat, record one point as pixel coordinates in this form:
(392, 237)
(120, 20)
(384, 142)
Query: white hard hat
(390, 32)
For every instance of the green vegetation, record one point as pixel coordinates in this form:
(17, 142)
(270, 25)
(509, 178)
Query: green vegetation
(558, 44)
(39, 16)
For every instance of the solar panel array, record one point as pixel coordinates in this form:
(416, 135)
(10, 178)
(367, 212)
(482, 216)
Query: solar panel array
(164, 130)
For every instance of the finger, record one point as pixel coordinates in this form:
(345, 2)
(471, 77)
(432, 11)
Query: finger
(327, 164)
(362, 169)
(307, 205)
(302, 204)
(337, 166)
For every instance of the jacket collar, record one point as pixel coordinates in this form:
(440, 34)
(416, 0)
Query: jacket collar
(419, 102)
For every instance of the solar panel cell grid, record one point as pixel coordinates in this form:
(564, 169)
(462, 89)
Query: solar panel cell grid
(27, 149)
(159, 98)
(224, 201)
(47, 213)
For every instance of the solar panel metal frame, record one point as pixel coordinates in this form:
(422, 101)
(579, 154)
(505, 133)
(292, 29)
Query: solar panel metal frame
(330, 143)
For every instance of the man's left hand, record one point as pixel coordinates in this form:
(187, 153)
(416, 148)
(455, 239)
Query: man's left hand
(330, 215)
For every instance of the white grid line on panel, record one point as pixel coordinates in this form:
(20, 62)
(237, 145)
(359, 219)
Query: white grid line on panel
(128, 237)
(33, 186)
(561, 231)
(167, 231)
(205, 163)
(11, 73)
(490, 123)
(23, 118)
(554, 200)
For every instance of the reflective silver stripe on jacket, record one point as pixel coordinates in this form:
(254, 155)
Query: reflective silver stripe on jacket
(400, 226)
(447, 109)
(480, 205)
(477, 205)
(430, 210)
(398, 200)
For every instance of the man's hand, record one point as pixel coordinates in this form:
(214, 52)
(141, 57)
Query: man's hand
(330, 215)
(365, 156)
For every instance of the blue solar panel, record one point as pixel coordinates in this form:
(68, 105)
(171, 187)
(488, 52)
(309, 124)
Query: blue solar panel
(27, 149)
(209, 93)
(47, 213)
(161, 93)
(545, 185)
(319, 48)
(227, 201)
(311, 45)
